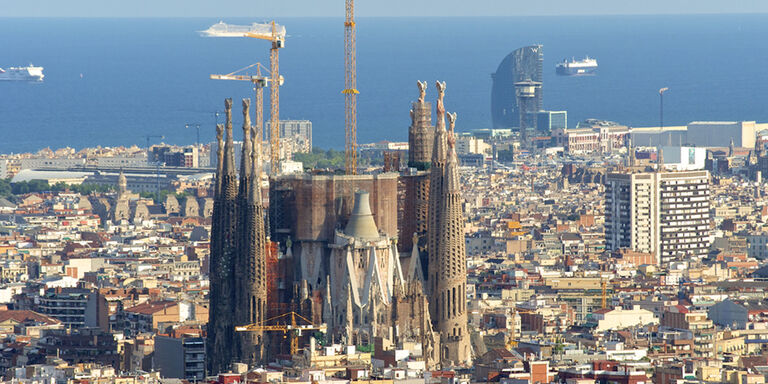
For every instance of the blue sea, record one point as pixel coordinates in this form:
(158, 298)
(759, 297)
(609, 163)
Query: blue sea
(150, 76)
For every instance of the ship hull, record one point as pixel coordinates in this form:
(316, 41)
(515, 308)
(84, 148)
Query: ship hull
(578, 71)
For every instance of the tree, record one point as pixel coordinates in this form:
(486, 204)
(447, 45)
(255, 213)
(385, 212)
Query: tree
(5, 187)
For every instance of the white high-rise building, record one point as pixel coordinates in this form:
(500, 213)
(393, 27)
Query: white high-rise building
(662, 213)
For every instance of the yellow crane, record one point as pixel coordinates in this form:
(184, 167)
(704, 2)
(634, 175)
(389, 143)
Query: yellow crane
(603, 296)
(350, 90)
(277, 37)
(259, 82)
(292, 329)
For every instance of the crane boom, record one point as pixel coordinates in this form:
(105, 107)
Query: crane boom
(350, 89)
(259, 82)
(293, 328)
(239, 77)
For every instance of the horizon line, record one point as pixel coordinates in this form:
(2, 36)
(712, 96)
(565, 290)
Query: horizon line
(395, 16)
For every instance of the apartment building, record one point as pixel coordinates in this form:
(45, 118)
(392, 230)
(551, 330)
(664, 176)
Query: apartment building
(662, 213)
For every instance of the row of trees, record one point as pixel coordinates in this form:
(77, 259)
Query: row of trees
(329, 159)
(8, 189)
(159, 197)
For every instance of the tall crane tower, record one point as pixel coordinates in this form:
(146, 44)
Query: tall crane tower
(277, 37)
(259, 82)
(350, 90)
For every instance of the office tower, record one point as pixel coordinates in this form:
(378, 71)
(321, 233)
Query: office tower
(547, 121)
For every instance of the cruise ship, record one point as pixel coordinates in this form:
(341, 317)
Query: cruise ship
(30, 73)
(222, 29)
(573, 67)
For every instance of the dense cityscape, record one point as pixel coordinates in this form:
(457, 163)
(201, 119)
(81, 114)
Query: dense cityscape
(532, 251)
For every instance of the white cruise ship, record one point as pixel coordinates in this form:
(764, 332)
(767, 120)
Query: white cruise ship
(222, 29)
(30, 73)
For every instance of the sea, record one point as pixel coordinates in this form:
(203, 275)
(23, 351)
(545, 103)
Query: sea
(113, 81)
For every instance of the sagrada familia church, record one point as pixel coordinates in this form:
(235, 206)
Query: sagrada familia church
(357, 280)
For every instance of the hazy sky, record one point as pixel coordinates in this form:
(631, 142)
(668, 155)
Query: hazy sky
(285, 8)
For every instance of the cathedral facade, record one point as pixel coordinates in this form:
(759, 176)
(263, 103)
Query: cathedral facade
(341, 234)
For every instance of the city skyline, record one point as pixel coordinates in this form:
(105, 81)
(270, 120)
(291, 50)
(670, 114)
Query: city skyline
(525, 251)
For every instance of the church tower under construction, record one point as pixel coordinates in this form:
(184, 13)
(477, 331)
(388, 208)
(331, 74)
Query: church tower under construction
(238, 251)
(447, 276)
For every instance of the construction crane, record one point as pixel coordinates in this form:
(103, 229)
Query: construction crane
(275, 34)
(350, 90)
(259, 82)
(277, 37)
(292, 330)
(603, 297)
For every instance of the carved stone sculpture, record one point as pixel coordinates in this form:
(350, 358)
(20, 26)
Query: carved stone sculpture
(422, 90)
(440, 95)
(452, 124)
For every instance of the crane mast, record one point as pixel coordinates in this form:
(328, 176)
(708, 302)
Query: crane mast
(274, 133)
(277, 37)
(350, 90)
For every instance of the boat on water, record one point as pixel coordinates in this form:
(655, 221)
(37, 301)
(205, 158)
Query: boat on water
(222, 29)
(30, 73)
(574, 67)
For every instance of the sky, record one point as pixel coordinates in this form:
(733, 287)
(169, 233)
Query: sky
(370, 8)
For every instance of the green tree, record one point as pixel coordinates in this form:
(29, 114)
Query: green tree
(5, 187)
(31, 186)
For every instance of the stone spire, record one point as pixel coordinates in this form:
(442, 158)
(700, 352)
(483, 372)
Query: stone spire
(244, 307)
(245, 158)
(213, 338)
(221, 339)
(228, 182)
(122, 186)
(451, 263)
(437, 173)
(219, 156)
(731, 149)
(256, 151)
